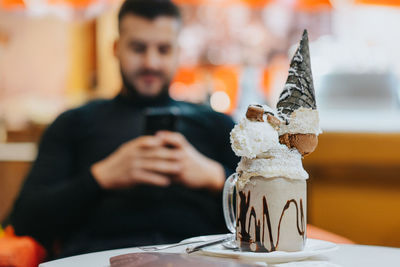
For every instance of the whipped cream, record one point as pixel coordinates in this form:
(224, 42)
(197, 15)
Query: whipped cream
(277, 162)
(303, 121)
(250, 138)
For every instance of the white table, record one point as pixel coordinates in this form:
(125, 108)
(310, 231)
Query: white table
(345, 256)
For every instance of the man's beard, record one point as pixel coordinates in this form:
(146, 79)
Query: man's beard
(133, 93)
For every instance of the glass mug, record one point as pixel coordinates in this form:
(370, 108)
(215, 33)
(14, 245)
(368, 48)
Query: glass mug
(271, 213)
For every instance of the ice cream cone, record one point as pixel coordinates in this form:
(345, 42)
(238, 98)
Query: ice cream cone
(299, 88)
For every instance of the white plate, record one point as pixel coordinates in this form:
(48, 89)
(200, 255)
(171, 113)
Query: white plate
(313, 247)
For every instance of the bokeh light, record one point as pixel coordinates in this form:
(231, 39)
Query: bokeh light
(220, 101)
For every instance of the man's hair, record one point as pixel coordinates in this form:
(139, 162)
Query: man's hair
(149, 9)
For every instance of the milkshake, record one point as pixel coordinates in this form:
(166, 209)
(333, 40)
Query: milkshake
(271, 215)
(270, 182)
(270, 188)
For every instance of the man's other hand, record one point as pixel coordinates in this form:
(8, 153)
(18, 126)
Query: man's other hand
(144, 160)
(197, 171)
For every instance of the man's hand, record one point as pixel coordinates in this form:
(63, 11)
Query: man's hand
(144, 160)
(197, 171)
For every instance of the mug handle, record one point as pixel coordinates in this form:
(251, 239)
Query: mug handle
(227, 203)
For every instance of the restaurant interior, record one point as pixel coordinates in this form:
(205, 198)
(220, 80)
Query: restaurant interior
(57, 54)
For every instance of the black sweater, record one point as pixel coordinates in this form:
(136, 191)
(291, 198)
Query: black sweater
(61, 201)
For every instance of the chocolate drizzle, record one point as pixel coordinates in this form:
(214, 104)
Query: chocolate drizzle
(258, 243)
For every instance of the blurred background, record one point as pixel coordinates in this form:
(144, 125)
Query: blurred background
(57, 54)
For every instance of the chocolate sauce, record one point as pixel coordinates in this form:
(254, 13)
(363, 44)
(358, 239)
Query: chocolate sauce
(258, 243)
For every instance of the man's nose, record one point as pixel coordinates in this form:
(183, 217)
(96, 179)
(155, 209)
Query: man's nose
(152, 59)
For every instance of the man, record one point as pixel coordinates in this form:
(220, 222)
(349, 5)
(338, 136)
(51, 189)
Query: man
(98, 183)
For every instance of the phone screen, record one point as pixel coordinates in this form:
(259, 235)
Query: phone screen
(157, 119)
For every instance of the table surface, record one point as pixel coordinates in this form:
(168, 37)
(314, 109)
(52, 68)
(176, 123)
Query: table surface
(344, 256)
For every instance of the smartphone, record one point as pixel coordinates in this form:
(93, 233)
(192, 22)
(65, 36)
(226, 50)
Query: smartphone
(161, 118)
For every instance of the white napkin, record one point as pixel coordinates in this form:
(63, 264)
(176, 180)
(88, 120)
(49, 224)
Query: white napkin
(305, 263)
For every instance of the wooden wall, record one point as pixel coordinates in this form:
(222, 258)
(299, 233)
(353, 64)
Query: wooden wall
(354, 186)
(12, 175)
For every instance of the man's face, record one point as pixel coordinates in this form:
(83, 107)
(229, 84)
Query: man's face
(147, 51)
